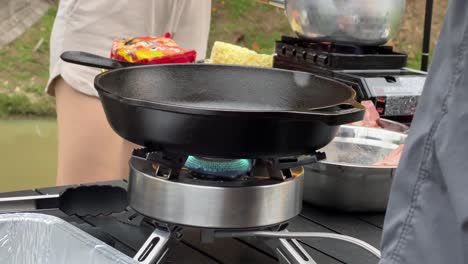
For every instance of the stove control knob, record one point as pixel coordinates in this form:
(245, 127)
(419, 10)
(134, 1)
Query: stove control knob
(283, 50)
(313, 56)
(322, 59)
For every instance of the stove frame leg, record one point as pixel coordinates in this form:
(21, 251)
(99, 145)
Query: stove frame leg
(155, 248)
(289, 251)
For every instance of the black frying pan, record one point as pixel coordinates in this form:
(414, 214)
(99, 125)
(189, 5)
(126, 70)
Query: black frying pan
(223, 111)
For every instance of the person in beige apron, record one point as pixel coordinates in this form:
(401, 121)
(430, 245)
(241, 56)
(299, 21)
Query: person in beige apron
(88, 149)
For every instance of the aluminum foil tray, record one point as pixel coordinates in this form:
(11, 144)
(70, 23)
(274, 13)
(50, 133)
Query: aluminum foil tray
(43, 239)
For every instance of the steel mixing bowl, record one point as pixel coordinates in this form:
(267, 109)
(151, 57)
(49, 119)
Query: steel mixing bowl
(363, 22)
(346, 179)
(393, 125)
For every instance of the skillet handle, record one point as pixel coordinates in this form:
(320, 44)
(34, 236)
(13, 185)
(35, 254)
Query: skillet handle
(89, 59)
(351, 111)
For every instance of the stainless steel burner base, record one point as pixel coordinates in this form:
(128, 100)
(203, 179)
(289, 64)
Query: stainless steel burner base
(206, 206)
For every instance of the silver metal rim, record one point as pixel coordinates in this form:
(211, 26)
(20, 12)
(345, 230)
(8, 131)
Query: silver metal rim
(214, 207)
(374, 136)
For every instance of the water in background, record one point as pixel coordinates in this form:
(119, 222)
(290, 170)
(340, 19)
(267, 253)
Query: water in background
(28, 152)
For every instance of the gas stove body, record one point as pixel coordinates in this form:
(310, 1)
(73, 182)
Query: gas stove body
(213, 204)
(175, 192)
(163, 188)
(376, 73)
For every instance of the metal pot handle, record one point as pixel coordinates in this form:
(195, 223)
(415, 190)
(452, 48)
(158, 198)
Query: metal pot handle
(89, 59)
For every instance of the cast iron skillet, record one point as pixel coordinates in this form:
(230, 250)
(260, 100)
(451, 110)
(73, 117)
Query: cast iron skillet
(223, 111)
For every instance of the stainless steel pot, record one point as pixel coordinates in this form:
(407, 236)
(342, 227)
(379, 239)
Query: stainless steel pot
(365, 22)
(393, 125)
(347, 180)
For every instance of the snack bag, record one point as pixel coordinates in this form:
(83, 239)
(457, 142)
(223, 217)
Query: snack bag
(151, 50)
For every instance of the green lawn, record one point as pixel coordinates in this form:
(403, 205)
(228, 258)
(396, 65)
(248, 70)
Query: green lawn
(24, 72)
(415, 62)
(257, 25)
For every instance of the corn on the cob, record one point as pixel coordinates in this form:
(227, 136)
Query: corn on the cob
(225, 53)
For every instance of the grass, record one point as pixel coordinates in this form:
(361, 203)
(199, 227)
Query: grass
(414, 61)
(247, 23)
(24, 73)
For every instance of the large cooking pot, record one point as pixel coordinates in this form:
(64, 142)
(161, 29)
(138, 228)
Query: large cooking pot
(365, 22)
(347, 180)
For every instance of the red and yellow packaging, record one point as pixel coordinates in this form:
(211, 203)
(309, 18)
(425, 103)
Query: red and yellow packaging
(151, 50)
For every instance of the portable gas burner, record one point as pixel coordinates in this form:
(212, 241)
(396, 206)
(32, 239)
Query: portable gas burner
(376, 73)
(223, 198)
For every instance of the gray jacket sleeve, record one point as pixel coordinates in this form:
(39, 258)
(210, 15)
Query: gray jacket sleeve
(427, 217)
